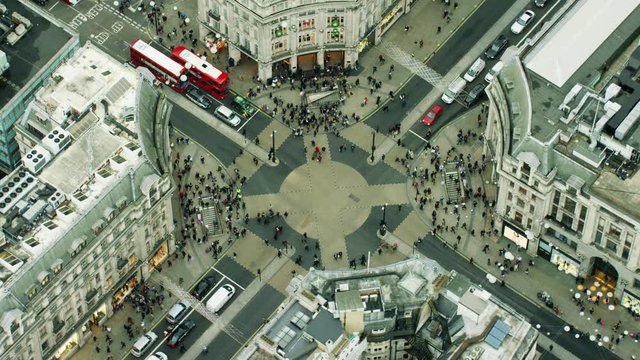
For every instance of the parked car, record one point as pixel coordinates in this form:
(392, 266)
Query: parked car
(244, 107)
(496, 47)
(199, 97)
(225, 114)
(177, 312)
(431, 116)
(203, 287)
(158, 356)
(180, 332)
(474, 94)
(143, 344)
(522, 22)
(540, 3)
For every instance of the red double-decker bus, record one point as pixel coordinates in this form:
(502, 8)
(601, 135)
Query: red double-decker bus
(165, 69)
(204, 75)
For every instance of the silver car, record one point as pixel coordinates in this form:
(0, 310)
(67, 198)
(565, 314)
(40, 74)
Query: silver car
(199, 97)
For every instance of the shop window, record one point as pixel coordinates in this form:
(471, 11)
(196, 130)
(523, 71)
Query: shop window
(279, 46)
(278, 31)
(335, 21)
(335, 35)
(307, 24)
(308, 38)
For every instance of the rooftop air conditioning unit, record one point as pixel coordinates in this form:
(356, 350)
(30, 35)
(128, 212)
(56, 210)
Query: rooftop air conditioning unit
(14, 188)
(56, 140)
(56, 199)
(36, 159)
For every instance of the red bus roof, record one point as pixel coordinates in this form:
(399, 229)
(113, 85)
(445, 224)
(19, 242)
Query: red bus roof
(157, 57)
(201, 65)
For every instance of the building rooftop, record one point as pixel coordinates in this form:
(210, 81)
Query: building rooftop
(582, 130)
(454, 316)
(30, 54)
(85, 169)
(575, 39)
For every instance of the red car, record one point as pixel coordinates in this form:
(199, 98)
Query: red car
(430, 117)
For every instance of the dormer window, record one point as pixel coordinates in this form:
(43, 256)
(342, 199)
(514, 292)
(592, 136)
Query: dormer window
(56, 267)
(43, 278)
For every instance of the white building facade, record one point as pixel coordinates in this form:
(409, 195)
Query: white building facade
(94, 220)
(291, 35)
(556, 207)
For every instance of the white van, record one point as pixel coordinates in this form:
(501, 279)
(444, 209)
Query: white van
(454, 89)
(220, 297)
(475, 69)
(228, 116)
(143, 344)
(494, 71)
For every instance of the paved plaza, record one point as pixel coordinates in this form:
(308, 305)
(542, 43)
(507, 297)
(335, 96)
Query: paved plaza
(326, 197)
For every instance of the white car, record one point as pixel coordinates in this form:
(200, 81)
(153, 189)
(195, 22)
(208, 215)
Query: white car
(158, 356)
(522, 21)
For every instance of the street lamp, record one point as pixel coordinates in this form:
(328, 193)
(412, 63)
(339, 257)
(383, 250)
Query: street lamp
(373, 145)
(273, 146)
(383, 222)
(155, 15)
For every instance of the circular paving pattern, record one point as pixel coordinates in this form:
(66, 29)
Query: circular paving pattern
(323, 193)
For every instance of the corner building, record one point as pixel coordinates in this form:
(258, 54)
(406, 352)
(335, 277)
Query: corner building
(566, 155)
(292, 35)
(87, 215)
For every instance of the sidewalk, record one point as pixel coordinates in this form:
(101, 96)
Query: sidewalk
(543, 275)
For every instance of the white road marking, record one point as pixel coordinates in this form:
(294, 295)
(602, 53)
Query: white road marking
(54, 5)
(420, 137)
(228, 278)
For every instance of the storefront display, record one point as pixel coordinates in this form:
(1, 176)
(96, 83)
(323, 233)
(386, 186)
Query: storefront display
(68, 348)
(565, 263)
(125, 290)
(631, 302)
(157, 258)
(517, 237)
